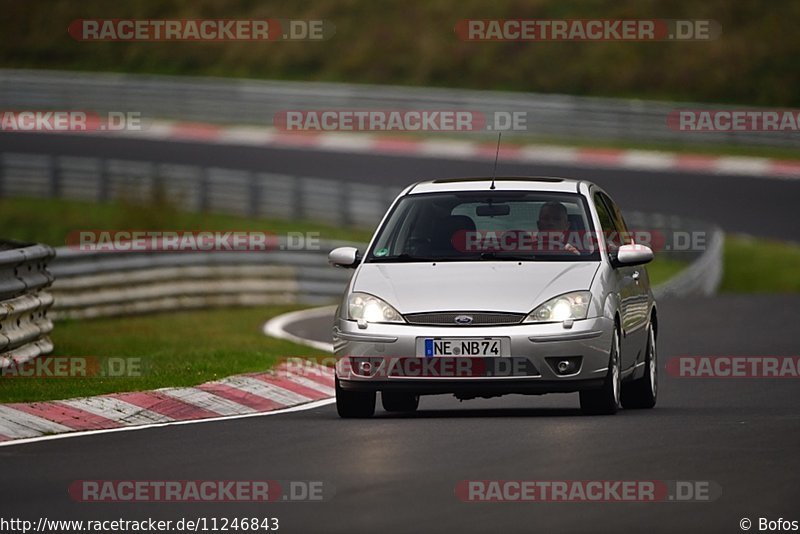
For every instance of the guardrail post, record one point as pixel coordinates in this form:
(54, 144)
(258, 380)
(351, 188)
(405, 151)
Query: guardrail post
(298, 211)
(103, 189)
(344, 204)
(55, 177)
(202, 190)
(255, 194)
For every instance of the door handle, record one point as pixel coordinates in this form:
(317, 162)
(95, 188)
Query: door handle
(635, 276)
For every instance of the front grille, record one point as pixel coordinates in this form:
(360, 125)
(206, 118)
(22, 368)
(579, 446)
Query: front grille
(478, 318)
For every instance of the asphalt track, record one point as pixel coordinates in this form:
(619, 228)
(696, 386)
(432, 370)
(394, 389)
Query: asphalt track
(398, 473)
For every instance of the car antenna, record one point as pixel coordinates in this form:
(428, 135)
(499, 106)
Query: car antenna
(494, 171)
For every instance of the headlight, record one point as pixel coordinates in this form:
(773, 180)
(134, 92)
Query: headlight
(361, 306)
(573, 305)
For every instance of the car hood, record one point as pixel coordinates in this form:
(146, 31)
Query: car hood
(471, 286)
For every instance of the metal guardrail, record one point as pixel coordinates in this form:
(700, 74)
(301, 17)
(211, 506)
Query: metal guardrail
(100, 284)
(244, 101)
(192, 188)
(24, 303)
(97, 284)
(704, 273)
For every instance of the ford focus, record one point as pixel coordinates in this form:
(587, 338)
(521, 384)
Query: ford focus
(486, 287)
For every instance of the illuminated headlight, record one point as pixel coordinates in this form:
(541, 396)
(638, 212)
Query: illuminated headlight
(573, 305)
(361, 306)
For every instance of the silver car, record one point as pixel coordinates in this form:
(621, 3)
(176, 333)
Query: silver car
(486, 287)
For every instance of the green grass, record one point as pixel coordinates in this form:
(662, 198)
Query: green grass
(50, 220)
(176, 349)
(662, 269)
(760, 266)
(188, 348)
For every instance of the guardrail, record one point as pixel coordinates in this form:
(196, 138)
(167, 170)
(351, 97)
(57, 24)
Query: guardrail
(244, 101)
(98, 284)
(704, 272)
(24, 303)
(101, 284)
(193, 188)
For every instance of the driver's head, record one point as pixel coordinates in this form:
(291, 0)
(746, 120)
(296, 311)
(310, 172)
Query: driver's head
(553, 217)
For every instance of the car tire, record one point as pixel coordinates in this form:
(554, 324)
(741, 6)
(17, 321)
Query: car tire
(399, 402)
(643, 392)
(354, 404)
(605, 401)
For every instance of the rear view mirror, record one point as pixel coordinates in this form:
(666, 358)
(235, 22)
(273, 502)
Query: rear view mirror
(493, 210)
(344, 257)
(634, 254)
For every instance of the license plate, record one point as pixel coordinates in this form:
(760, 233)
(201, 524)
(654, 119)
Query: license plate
(463, 347)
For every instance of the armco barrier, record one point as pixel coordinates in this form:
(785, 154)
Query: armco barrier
(24, 303)
(93, 284)
(240, 101)
(192, 188)
(96, 284)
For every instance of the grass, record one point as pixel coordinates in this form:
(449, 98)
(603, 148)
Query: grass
(50, 220)
(662, 269)
(188, 348)
(178, 349)
(760, 266)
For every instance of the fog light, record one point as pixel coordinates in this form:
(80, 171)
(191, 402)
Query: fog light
(565, 366)
(364, 368)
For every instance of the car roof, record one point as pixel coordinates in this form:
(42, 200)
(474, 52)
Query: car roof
(502, 183)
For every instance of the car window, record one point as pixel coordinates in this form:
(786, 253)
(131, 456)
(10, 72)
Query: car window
(468, 226)
(610, 230)
(619, 221)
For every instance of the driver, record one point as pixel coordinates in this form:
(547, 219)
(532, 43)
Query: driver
(553, 219)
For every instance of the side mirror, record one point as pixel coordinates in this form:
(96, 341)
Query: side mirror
(634, 254)
(344, 257)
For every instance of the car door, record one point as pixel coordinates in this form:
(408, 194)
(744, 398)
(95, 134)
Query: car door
(624, 281)
(639, 298)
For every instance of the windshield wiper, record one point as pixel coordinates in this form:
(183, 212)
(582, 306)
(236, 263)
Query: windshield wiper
(493, 256)
(400, 258)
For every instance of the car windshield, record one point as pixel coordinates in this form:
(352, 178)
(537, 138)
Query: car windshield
(486, 226)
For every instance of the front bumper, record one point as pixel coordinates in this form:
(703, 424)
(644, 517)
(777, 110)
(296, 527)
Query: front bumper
(534, 350)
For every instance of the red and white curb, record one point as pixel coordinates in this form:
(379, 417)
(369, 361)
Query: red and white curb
(387, 144)
(240, 395)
